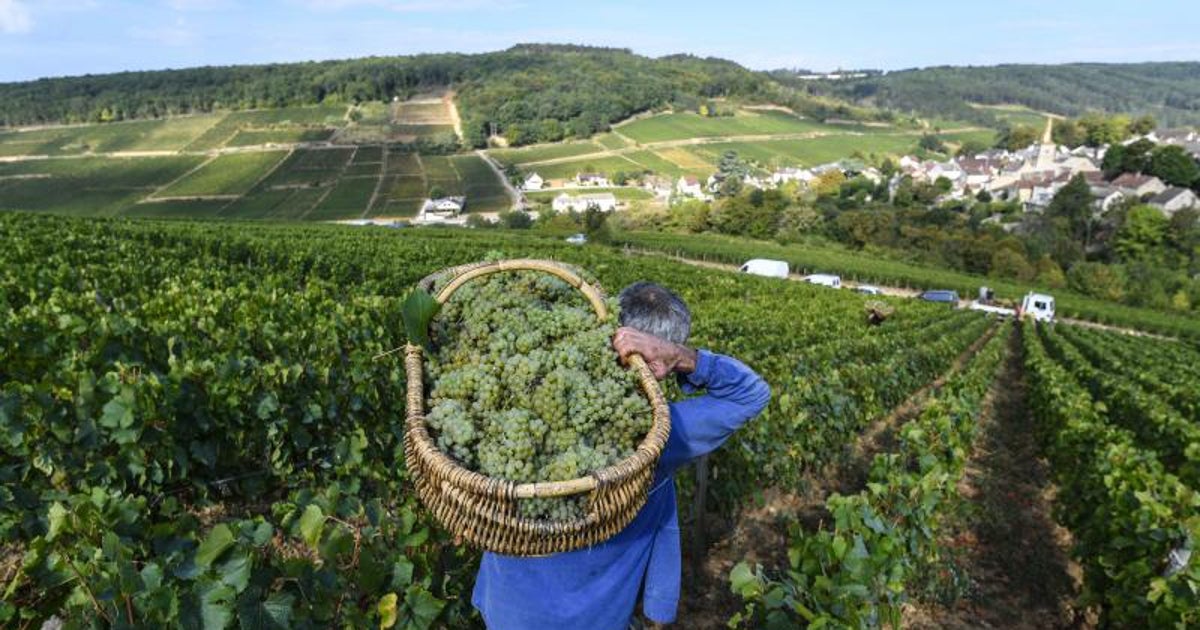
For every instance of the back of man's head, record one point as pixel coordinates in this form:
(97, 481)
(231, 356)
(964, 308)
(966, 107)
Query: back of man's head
(656, 310)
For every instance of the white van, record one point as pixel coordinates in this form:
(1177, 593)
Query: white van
(1039, 306)
(765, 267)
(825, 280)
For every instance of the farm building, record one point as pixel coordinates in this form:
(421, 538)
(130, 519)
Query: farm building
(604, 202)
(533, 182)
(443, 210)
(689, 186)
(592, 179)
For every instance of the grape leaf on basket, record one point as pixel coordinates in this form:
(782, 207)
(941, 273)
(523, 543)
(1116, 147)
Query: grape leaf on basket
(418, 310)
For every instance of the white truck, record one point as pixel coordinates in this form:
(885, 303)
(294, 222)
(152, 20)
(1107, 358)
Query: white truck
(825, 280)
(1038, 306)
(765, 267)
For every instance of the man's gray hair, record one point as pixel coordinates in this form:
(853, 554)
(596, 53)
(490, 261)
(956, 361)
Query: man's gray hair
(656, 310)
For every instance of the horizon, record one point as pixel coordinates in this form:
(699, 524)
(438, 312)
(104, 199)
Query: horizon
(60, 38)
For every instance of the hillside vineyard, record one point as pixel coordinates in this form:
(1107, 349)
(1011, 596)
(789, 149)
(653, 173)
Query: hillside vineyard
(197, 426)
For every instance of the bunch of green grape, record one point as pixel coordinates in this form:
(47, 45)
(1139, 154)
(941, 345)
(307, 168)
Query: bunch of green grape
(525, 385)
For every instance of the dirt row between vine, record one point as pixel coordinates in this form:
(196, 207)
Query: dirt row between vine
(1013, 555)
(760, 533)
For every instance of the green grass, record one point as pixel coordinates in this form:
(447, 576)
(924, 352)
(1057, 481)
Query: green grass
(422, 131)
(348, 200)
(145, 135)
(622, 194)
(610, 141)
(403, 163)
(404, 187)
(439, 167)
(232, 174)
(177, 209)
(397, 208)
(368, 155)
(684, 125)
(255, 137)
(568, 170)
(1015, 114)
(87, 186)
(485, 192)
(541, 152)
(362, 170)
(314, 117)
(408, 112)
(652, 161)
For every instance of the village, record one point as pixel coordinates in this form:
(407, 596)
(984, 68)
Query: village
(1030, 176)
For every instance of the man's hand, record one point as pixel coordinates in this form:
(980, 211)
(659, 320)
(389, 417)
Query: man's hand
(663, 357)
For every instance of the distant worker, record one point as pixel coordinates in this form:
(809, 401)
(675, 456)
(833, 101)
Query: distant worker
(598, 588)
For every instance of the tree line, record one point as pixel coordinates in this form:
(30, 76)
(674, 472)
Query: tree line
(1169, 91)
(528, 93)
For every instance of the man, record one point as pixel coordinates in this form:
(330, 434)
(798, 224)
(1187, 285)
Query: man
(598, 588)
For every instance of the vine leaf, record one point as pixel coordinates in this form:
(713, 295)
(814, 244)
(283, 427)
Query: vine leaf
(217, 541)
(418, 311)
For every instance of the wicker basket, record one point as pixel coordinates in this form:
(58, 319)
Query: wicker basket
(483, 511)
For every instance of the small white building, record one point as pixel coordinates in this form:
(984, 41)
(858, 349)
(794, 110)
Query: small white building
(790, 174)
(1174, 199)
(604, 202)
(533, 182)
(689, 186)
(592, 179)
(447, 210)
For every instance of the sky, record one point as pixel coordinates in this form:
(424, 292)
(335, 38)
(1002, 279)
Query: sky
(41, 38)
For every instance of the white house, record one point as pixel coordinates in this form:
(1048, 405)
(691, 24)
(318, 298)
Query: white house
(533, 182)
(1105, 197)
(790, 174)
(689, 186)
(592, 179)
(1174, 199)
(446, 210)
(604, 202)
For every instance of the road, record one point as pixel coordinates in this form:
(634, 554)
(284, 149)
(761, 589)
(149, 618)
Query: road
(513, 193)
(896, 292)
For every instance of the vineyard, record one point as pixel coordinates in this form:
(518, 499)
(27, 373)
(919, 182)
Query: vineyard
(202, 427)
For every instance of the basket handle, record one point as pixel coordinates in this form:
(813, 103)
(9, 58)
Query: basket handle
(593, 295)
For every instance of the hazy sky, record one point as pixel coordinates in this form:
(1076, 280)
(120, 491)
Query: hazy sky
(64, 37)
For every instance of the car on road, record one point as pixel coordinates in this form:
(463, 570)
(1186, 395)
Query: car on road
(940, 296)
(825, 280)
(577, 239)
(868, 289)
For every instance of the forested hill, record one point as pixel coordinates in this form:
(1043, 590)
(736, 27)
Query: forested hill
(577, 90)
(1168, 91)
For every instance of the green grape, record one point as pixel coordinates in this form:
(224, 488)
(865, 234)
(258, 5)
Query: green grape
(525, 386)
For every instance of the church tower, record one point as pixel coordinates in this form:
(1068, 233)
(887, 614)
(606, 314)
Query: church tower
(1047, 148)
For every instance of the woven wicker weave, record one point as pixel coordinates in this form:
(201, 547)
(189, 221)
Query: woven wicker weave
(483, 511)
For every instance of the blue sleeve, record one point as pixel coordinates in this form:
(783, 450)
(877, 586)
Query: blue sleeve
(733, 395)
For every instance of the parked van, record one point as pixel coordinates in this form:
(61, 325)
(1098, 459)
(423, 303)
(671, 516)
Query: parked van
(1039, 306)
(825, 280)
(765, 267)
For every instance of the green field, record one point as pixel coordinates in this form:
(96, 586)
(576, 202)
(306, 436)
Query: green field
(681, 126)
(232, 174)
(622, 194)
(147, 135)
(255, 137)
(1015, 114)
(349, 199)
(541, 152)
(287, 119)
(87, 186)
